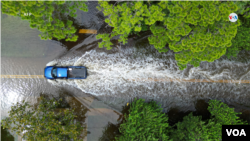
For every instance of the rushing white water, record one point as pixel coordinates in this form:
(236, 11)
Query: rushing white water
(128, 73)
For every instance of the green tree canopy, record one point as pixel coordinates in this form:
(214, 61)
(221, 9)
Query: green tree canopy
(193, 128)
(221, 115)
(242, 38)
(199, 31)
(127, 17)
(244, 8)
(190, 129)
(145, 122)
(46, 16)
(43, 122)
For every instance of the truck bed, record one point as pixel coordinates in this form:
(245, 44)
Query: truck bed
(77, 72)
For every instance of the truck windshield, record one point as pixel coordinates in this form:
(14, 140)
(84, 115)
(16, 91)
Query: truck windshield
(54, 72)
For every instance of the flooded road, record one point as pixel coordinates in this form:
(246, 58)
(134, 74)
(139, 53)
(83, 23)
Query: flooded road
(24, 54)
(116, 76)
(129, 73)
(18, 58)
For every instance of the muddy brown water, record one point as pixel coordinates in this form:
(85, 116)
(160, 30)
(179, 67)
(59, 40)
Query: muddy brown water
(23, 53)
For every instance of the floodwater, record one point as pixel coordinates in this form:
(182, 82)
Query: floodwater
(116, 77)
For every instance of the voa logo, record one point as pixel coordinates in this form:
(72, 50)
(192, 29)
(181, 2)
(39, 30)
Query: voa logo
(236, 132)
(233, 17)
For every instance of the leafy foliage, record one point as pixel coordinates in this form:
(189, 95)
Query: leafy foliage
(241, 40)
(199, 31)
(244, 8)
(159, 38)
(105, 41)
(129, 17)
(193, 128)
(46, 16)
(5, 135)
(221, 115)
(145, 122)
(43, 122)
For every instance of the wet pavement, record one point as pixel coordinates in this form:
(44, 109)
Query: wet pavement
(23, 53)
(107, 91)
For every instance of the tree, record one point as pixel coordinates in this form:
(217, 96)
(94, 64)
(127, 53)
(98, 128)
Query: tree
(128, 17)
(221, 115)
(145, 122)
(43, 122)
(199, 31)
(193, 128)
(244, 8)
(196, 31)
(46, 16)
(241, 40)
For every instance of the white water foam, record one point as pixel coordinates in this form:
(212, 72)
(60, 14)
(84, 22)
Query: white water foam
(111, 73)
(128, 73)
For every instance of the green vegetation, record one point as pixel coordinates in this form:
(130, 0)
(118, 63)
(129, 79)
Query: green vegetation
(5, 135)
(193, 128)
(197, 31)
(47, 16)
(243, 8)
(43, 121)
(147, 122)
(221, 115)
(241, 40)
(128, 17)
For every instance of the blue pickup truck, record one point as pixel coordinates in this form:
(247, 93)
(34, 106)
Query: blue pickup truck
(71, 72)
